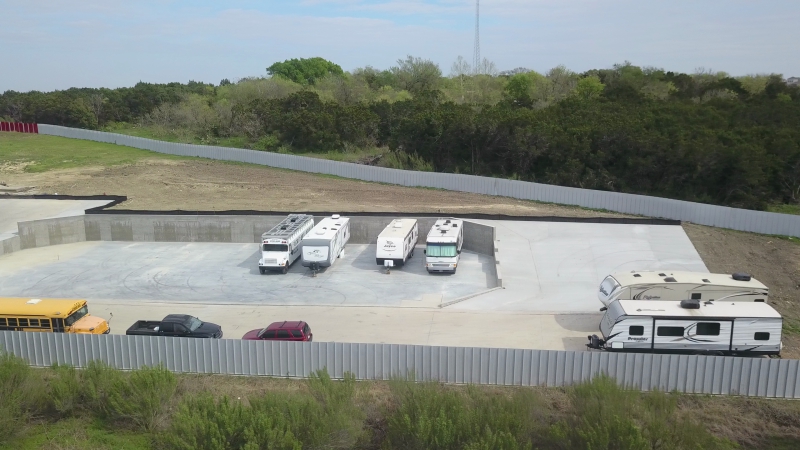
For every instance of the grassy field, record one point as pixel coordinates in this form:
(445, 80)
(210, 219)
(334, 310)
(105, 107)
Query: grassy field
(785, 209)
(103, 408)
(39, 153)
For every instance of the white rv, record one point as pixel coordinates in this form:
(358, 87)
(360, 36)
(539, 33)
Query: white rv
(280, 246)
(443, 245)
(715, 328)
(397, 241)
(667, 285)
(326, 242)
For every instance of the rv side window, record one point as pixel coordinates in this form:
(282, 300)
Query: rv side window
(761, 336)
(670, 331)
(636, 330)
(708, 329)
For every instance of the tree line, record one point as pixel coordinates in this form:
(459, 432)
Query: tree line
(705, 136)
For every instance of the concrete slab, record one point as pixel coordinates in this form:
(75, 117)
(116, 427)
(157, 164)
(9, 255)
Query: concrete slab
(222, 273)
(21, 210)
(557, 267)
(414, 326)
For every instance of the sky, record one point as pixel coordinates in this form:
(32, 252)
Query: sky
(57, 44)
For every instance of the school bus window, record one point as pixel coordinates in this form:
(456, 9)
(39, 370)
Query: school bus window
(44, 323)
(3, 322)
(34, 322)
(12, 322)
(76, 316)
(23, 322)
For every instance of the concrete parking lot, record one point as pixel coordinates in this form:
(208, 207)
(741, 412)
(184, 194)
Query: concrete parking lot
(220, 273)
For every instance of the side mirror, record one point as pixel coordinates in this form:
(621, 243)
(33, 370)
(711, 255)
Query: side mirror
(425, 252)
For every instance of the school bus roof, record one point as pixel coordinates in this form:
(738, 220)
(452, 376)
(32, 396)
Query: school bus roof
(48, 307)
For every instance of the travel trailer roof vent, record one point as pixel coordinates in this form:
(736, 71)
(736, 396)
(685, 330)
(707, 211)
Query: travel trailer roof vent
(637, 275)
(320, 232)
(398, 224)
(705, 280)
(283, 227)
(455, 225)
(741, 276)
(670, 280)
(335, 216)
(447, 221)
(690, 304)
(662, 274)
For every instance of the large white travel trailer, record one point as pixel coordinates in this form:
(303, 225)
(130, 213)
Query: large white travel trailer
(326, 242)
(443, 245)
(676, 286)
(280, 246)
(690, 326)
(397, 241)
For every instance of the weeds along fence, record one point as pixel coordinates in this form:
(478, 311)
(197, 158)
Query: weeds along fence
(717, 216)
(759, 377)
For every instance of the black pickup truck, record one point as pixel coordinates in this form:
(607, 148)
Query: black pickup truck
(176, 325)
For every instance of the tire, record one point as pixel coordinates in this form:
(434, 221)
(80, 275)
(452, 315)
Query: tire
(262, 270)
(285, 268)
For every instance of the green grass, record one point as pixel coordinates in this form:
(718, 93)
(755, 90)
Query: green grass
(39, 153)
(78, 433)
(784, 209)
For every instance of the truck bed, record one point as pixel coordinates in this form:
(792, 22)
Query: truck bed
(144, 327)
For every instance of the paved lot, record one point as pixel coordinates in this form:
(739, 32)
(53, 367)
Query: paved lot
(22, 210)
(228, 274)
(415, 326)
(551, 267)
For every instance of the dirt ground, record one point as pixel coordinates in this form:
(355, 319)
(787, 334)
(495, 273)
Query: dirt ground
(209, 185)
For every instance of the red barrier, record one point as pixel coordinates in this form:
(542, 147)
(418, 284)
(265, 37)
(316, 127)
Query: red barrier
(19, 127)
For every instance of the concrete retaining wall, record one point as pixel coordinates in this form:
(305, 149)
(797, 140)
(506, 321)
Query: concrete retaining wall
(204, 228)
(9, 245)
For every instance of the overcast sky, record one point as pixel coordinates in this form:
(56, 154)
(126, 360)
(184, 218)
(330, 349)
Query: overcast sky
(57, 44)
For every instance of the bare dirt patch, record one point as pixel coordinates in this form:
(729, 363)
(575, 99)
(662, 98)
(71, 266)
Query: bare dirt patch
(157, 184)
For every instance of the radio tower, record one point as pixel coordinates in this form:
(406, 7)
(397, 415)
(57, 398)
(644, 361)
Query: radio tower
(476, 58)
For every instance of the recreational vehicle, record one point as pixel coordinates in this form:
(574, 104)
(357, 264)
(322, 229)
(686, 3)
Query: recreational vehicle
(326, 241)
(280, 246)
(443, 245)
(693, 326)
(676, 286)
(396, 242)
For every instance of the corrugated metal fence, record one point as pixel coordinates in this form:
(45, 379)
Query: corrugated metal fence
(717, 216)
(760, 377)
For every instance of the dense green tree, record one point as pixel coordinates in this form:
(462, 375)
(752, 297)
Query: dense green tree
(304, 71)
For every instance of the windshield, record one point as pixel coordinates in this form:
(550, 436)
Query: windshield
(194, 323)
(275, 248)
(607, 287)
(441, 250)
(77, 315)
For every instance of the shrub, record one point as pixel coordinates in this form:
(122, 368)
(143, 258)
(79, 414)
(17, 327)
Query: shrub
(17, 397)
(98, 381)
(606, 416)
(431, 416)
(65, 389)
(143, 398)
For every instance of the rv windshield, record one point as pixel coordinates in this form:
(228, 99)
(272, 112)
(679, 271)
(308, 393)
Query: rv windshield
(607, 287)
(275, 248)
(441, 250)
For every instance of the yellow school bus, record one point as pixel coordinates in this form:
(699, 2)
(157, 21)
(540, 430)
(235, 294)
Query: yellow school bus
(54, 315)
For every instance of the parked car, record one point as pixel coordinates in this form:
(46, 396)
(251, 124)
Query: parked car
(281, 331)
(176, 325)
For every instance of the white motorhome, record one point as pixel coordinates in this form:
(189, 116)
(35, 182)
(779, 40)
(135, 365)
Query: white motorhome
(397, 241)
(675, 286)
(326, 242)
(715, 328)
(280, 246)
(443, 245)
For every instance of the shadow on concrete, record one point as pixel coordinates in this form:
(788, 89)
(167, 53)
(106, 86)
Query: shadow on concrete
(575, 343)
(251, 263)
(589, 323)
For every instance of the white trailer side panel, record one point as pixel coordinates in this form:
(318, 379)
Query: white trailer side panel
(757, 334)
(692, 334)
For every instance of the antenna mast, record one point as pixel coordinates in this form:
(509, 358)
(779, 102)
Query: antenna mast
(476, 58)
